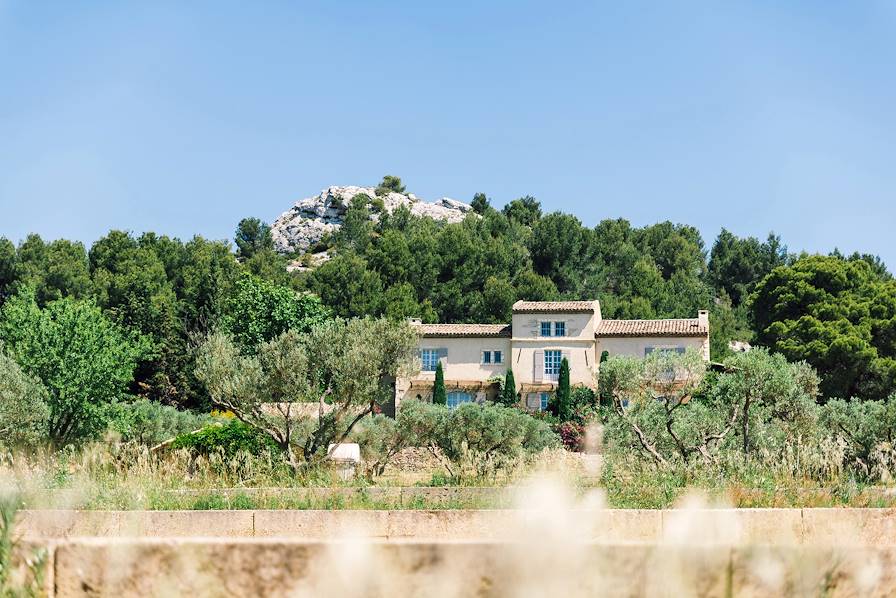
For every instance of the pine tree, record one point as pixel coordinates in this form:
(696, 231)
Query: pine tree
(508, 395)
(563, 392)
(439, 397)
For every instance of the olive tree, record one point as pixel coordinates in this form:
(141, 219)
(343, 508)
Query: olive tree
(346, 368)
(23, 407)
(651, 404)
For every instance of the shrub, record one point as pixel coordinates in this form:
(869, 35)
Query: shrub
(149, 422)
(229, 439)
(380, 439)
(869, 429)
(572, 435)
(23, 407)
(475, 439)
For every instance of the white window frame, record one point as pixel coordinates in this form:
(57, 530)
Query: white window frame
(431, 353)
(559, 327)
(545, 326)
(497, 357)
(552, 360)
(487, 358)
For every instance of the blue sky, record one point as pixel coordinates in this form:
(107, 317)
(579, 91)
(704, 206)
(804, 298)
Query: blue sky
(183, 118)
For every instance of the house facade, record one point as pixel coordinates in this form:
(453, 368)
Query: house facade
(475, 357)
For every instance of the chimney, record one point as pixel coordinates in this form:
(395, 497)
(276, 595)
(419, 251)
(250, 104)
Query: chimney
(703, 318)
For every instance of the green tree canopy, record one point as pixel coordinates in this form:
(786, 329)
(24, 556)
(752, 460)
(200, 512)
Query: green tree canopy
(84, 360)
(737, 265)
(480, 203)
(258, 311)
(390, 184)
(836, 314)
(252, 236)
(525, 210)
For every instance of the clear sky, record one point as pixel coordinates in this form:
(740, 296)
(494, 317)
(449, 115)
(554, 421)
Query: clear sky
(183, 117)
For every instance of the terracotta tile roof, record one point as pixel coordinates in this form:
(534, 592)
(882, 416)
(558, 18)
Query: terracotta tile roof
(682, 327)
(439, 330)
(574, 307)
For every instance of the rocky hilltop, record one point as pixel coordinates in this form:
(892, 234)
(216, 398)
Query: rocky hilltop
(310, 219)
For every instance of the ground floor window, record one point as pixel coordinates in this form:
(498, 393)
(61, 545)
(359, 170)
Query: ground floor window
(552, 364)
(538, 401)
(457, 397)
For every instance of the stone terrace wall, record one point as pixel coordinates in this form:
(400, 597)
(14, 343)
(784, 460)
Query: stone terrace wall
(118, 567)
(785, 527)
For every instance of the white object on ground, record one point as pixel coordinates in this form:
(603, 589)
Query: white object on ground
(346, 452)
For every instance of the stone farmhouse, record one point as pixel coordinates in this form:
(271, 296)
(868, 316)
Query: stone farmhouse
(541, 334)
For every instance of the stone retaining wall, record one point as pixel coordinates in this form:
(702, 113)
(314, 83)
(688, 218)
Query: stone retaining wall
(810, 527)
(129, 567)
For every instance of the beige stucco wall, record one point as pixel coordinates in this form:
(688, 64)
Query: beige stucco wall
(636, 346)
(464, 359)
(577, 325)
(579, 353)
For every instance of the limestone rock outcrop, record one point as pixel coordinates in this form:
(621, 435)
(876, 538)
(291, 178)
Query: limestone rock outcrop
(306, 223)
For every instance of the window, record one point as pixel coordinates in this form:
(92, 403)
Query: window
(552, 364)
(545, 329)
(492, 357)
(649, 350)
(457, 398)
(430, 358)
(545, 400)
(559, 328)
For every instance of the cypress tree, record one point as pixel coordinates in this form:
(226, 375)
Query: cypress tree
(439, 396)
(564, 398)
(508, 395)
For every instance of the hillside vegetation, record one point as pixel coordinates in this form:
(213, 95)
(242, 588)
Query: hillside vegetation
(154, 298)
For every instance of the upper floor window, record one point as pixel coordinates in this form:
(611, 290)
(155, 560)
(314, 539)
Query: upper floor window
(552, 363)
(430, 359)
(492, 357)
(559, 328)
(545, 329)
(649, 350)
